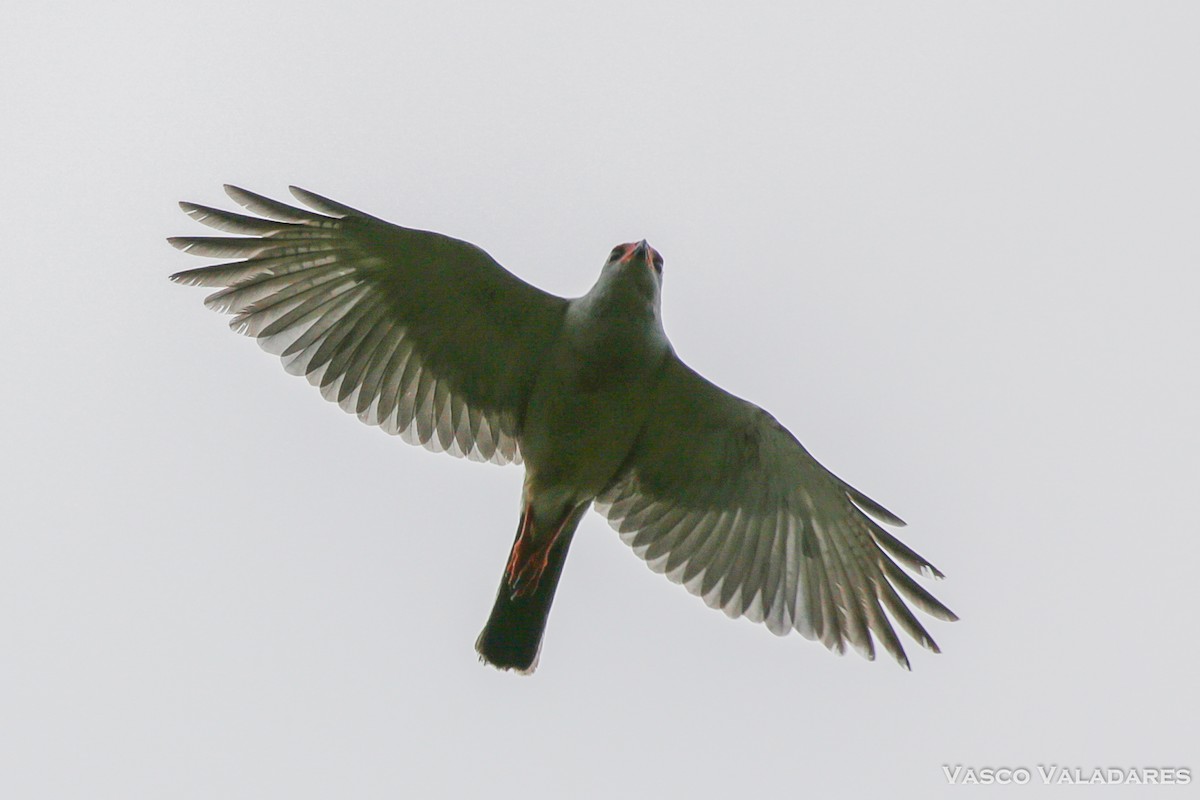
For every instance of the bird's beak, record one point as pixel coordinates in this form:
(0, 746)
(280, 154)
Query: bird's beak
(641, 251)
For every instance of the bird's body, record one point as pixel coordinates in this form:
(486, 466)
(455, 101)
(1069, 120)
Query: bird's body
(428, 337)
(588, 402)
(586, 408)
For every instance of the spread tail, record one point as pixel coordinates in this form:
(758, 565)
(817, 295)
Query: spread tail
(512, 637)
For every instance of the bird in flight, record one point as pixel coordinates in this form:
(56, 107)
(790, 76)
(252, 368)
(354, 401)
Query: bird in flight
(429, 338)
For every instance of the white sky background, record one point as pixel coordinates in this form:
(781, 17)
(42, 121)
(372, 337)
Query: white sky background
(955, 247)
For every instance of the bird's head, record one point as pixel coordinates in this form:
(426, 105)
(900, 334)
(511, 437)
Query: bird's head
(636, 265)
(639, 254)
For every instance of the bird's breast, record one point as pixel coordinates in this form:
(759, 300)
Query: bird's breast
(589, 402)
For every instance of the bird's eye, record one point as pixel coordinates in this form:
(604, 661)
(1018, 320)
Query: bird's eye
(657, 261)
(617, 252)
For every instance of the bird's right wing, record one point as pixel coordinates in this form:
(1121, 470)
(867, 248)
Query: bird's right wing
(423, 335)
(720, 497)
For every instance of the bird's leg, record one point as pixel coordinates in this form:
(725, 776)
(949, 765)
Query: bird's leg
(530, 555)
(517, 557)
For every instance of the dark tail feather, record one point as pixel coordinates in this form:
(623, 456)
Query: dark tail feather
(512, 637)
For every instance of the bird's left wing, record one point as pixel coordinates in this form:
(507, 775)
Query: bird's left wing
(722, 498)
(423, 335)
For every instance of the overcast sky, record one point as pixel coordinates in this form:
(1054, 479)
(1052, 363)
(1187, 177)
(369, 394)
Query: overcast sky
(954, 247)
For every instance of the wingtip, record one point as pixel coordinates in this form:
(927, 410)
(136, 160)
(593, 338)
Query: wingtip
(870, 507)
(300, 193)
(315, 201)
(323, 205)
(178, 277)
(237, 193)
(196, 211)
(902, 660)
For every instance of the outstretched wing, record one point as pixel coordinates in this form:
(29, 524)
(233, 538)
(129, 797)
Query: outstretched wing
(423, 335)
(723, 499)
